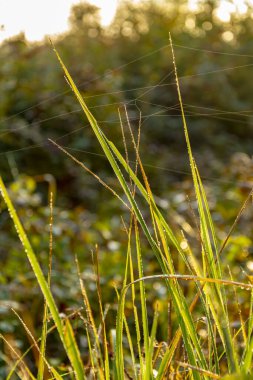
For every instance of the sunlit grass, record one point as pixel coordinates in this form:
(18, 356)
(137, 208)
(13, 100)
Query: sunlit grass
(139, 346)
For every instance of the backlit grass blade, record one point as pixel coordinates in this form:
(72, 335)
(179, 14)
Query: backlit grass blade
(119, 349)
(77, 366)
(143, 191)
(186, 325)
(42, 351)
(149, 359)
(119, 359)
(248, 351)
(102, 316)
(98, 133)
(135, 312)
(56, 374)
(184, 317)
(72, 349)
(205, 220)
(129, 268)
(90, 318)
(144, 315)
(167, 358)
(41, 366)
(91, 354)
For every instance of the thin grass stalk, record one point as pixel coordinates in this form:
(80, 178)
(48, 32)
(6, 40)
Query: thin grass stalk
(136, 319)
(102, 317)
(246, 362)
(129, 264)
(41, 366)
(90, 317)
(19, 362)
(119, 362)
(144, 313)
(152, 340)
(91, 353)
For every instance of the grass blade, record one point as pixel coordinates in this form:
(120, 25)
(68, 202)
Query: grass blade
(77, 365)
(184, 316)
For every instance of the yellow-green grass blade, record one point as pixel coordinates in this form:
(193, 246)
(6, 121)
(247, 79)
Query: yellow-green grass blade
(178, 298)
(215, 295)
(131, 346)
(149, 359)
(144, 313)
(111, 159)
(129, 266)
(183, 312)
(77, 366)
(119, 358)
(72, 348)
(186, 324)
(248, 351)
(91, 354)
(102, 316)
(168, 356)
(203, 220)
(90, 318)
(185, 319)
(219, 295)
(141, 188)
(136, 319)
(119, 365)
(41, 366)
(56, 375)
(119, 355)
(128, 333)
(215, 260)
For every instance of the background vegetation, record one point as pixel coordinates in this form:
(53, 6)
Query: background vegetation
(128, 64)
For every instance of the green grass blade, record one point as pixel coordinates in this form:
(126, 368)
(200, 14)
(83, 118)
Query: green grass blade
(184, 317)
(72, 349)
(56, 374)
(41, 366)
(152, 342)
(248, 352)
(128, 332)
(119, 358)
(205, 230)
(144, 313)
(143, 191)
(167, 358)
(78, 367)
(136, 319)
(91, 353)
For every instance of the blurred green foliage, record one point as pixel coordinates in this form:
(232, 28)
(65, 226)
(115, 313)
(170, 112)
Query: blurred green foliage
(127, 64)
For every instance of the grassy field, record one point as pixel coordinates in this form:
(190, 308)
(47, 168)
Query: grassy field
(208, 335)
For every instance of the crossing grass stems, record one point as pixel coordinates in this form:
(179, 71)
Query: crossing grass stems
(148, 361)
